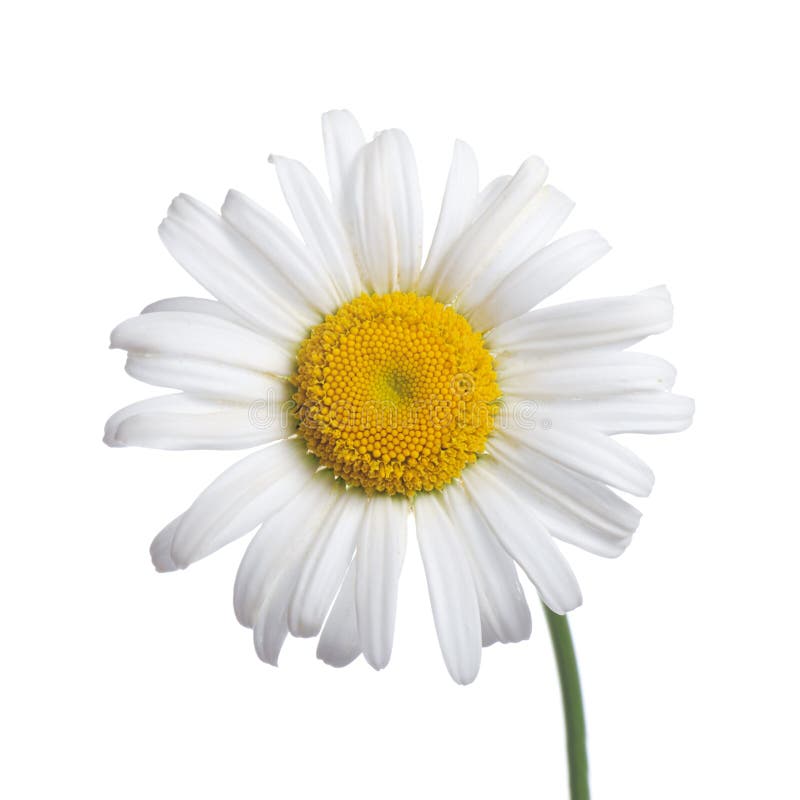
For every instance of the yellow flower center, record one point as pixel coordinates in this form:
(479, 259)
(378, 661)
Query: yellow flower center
(395, 393)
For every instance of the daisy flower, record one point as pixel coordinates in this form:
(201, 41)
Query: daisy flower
(377, 386)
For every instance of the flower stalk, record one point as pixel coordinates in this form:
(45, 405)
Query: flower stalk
(574, 721)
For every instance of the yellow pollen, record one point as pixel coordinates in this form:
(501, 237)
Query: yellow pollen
(395, 393)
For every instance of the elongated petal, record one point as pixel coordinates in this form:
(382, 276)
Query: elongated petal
(379, 558)
(180, 422)
(384, 213)
(279, 547)
(616, 322)
(537, 278)
(595, 455)
(293, 263)
(343, 138)
(161, 547)
(547, 213)
(642, 412)
(484, 238)
(240, 499)
(489, 194)
(523, 537)
(457, 211)
(572, 507)
(210, 379)
(585, 375)
(318, 224)
(273, 562)
(197, 305)
(583, 497)
(504, 612)
(184, 333)
(451, 586)
(340, 643)
(232, 269)
(325, 564)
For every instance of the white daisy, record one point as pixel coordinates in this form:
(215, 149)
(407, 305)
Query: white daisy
(383, 387)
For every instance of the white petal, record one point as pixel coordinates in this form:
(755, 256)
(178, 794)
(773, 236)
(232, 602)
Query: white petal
(291, 259)
(590, 453)
(584, 497)
(537, 278)
(522, 535)
(457, 211)
(213, 380)
(379, 559)
(504, 612)
(271, 627)
(184, 333)
(161, 547)
(241, 498)
(642, 412)
(325, 564)
(490, 193)
(318, 224)
(197, 305)
(269, 570)
(547, 213)
(180, 422)
(585, 374)
(485, 237)
(572, 507)
(384, 213)
(231, 268)
(339, 643)
(451, 587)
(343, 138)
(611, 322)
(279, 543)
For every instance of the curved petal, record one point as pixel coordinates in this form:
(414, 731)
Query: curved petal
(211, 379)
(379, 560)
(523, 537)
(294, 265)
(585, 374)
(181, 422)
(340, 643)
(343, 138)
(457, 211)
(583, 497)
(184, 333)
(269, 571)
(505, 616)
(197, 305)
(595, 455)
(484, 238)
(548, 211)
(277, 550)
(319, 225)
(384, 213)
(537, 278)
(616, 322)
(241, 498)
(325, 564)
(575, 509)
(487, 196)
(161, 547)
(451, 586)
(232, 269)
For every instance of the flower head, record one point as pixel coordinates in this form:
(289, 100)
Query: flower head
(378, 387)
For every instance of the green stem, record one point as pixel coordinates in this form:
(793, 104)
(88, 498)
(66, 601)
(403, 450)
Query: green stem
(573, 704)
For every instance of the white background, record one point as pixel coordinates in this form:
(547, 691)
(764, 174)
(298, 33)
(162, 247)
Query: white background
(674, 128)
